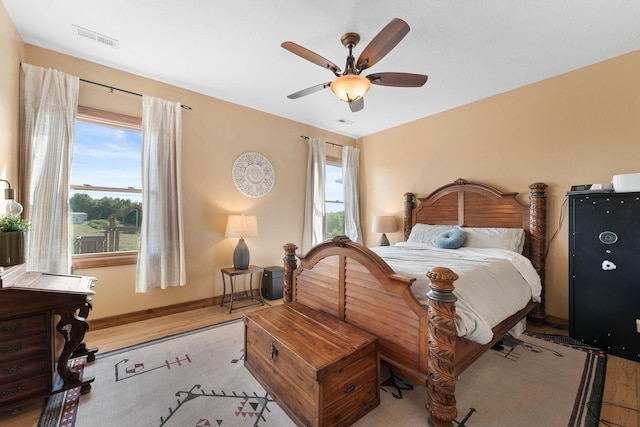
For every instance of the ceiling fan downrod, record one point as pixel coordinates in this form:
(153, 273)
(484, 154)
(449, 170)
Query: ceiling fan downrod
(350, 40)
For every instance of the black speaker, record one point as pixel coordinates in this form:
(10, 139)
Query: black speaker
(272, 281)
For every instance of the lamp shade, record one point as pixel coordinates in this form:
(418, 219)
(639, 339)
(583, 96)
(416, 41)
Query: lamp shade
(242, 226)
(350, 87)
(384, 224)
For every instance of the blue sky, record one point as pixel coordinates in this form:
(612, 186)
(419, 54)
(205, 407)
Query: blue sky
(106, 157)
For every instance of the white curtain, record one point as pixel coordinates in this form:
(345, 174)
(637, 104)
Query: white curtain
(161, 255)
(48, 105)
(314, 208)
(350, 161)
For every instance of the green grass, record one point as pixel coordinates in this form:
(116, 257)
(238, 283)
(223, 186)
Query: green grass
(84, 230)
(128, 241)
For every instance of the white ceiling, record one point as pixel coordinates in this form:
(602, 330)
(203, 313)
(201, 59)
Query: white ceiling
(471, 49)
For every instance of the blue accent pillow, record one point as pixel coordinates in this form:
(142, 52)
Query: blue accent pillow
(450, 239)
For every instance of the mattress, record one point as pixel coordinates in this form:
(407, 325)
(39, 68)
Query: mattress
(493, 284)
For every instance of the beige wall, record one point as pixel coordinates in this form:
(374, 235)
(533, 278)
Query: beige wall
(215, 133)
(581, 127)
(578, 128)
(11, 54)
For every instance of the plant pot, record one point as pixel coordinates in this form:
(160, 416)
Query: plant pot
(12, 248)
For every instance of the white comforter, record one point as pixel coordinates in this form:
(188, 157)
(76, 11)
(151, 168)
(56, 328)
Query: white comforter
(493, 285)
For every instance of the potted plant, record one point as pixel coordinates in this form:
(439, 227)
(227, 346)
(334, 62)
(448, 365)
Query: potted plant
(12, 239)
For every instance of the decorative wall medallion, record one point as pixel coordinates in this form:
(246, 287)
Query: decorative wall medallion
(253, 174)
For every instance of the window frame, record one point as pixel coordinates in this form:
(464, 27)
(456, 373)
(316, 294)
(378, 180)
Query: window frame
(119, 121)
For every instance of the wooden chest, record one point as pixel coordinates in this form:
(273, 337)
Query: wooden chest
(321, 371)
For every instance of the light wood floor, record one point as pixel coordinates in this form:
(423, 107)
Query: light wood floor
(621, 401)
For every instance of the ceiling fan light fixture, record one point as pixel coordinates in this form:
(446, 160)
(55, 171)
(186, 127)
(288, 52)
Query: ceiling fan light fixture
(350, 87)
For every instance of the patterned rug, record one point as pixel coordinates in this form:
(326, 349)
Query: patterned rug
(198, 379)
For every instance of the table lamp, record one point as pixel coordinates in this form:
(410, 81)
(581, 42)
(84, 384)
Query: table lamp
(384, 224)
(241, 226)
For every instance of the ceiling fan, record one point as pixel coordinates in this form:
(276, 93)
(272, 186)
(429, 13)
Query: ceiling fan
(349, 85)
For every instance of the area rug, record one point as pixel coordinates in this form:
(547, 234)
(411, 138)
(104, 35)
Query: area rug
(198, 379)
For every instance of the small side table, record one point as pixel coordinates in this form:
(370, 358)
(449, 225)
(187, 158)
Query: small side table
(232, 273)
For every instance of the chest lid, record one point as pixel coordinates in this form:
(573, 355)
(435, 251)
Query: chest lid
(320, 343)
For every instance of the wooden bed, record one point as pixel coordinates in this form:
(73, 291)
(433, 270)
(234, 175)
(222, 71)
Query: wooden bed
(353, 284)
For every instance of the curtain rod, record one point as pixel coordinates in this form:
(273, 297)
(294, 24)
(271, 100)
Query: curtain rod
(111, 88)
(326, 142)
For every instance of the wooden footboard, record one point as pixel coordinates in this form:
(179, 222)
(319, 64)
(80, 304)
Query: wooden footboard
(350, 282)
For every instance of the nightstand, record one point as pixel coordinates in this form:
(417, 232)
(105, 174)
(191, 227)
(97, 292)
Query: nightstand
(232, 274)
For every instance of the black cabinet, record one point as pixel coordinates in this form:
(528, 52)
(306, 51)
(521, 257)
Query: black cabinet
(604, 271)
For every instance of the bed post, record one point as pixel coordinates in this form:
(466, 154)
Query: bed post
(409, 204)
(290, 264)
(441, 383)
(538, 228)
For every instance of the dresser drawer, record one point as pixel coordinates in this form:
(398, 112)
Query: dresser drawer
(21, 326)
(24, 388)
(21, 347)
(21, 367)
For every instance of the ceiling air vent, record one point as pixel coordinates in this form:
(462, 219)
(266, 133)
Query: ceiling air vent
(345, 121)
(92, 35)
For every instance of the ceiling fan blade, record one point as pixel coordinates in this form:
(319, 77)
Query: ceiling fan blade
(398, 79)
(310, 56)
(356, 105)
(382, 43)
(309, 90)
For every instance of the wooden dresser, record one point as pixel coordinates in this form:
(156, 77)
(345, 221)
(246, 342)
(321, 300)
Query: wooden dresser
(42, 325)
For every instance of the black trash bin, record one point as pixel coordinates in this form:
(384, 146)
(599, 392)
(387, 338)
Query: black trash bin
(272, 281)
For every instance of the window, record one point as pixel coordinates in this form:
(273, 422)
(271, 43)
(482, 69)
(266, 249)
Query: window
(105, 191)
(334, 199)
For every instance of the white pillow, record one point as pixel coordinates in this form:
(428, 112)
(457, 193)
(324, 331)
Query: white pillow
(501, 238)
(427, 233)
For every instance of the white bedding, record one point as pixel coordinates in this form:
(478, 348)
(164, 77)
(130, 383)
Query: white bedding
(493, 285)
